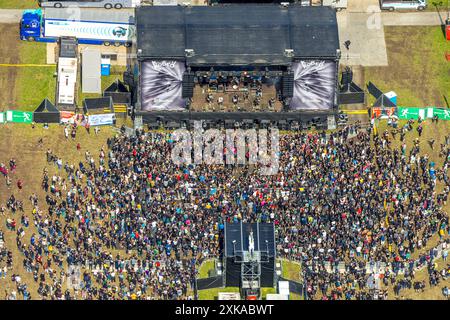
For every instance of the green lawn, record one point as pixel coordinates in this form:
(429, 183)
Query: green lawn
(418, 71)
(204, 269)
(290, 270)
(33, 84)
(18, 4)
(441, 5)
(265, 291)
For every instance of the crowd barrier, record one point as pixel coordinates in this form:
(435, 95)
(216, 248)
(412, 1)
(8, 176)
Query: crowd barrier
(63, 117)
(407, 113)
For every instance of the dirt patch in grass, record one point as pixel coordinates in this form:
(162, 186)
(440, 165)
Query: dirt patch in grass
(8, 54)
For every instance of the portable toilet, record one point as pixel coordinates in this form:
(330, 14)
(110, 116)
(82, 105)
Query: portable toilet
(392, 96)
(447, 29)
(106, 66)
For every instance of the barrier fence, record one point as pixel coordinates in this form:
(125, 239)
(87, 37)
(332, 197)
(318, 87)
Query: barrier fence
(407, 113)
(63, 117)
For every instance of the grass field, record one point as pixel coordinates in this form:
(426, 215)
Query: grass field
(35, 83)
(418, 71)
(203, 270)
(290, 270)
(20, 141)
(23, 88)
(430, 293)
(18, 4)
(441, 5)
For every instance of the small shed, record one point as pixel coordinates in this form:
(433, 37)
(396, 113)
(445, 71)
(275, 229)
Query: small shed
(91, 71)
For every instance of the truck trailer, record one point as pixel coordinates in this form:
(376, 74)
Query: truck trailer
(336, 4)
(107, 4)
(87, 26)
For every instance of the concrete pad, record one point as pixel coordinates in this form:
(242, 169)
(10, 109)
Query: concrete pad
(10, 15)
(52, 53)
(361, 6)
(366, 34)
(413, 18)
(121, 53)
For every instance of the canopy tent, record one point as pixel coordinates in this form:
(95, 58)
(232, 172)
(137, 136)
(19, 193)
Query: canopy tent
(46, 112)
(384, 101)
(118, 92)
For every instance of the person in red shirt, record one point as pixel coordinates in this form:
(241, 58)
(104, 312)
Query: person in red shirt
(20, 184)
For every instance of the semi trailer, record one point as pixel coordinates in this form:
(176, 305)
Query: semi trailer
(107, 4)
(336, 4)
(87, 26)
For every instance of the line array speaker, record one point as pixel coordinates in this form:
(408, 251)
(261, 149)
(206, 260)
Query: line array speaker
(347, 77)
(188, 85)
(288, 85)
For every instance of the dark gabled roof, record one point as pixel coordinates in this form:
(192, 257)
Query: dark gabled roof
(236, 34)
(117, 86)
(46, 106)
(383, 101)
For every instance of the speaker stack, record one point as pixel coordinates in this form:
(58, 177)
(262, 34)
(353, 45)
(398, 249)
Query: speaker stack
(188, 85)
(347, 78)
(288, 85)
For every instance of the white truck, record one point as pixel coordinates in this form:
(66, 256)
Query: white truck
(88, 26)
(107, 4)
(392, 5)
(337, 4)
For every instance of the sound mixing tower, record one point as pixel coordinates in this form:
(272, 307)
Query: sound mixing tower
(249, 257)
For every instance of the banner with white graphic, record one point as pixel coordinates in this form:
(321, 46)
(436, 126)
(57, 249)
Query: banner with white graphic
(161, 85)
(101, 119)
(89, 30)
(314, 85)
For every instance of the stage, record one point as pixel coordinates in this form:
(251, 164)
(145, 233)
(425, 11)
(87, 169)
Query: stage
(235, 99)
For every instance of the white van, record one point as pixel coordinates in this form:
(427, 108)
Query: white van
(337, 4)
(392, 5)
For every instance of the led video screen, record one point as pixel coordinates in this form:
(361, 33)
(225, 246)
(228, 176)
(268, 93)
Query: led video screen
(314, 85)
(161, 85)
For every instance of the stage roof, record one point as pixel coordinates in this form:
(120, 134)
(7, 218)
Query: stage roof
(236, 34)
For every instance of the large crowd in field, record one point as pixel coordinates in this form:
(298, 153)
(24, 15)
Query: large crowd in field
(136, 226)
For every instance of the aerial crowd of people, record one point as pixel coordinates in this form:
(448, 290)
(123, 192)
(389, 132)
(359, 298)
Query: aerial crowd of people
(127, 223)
